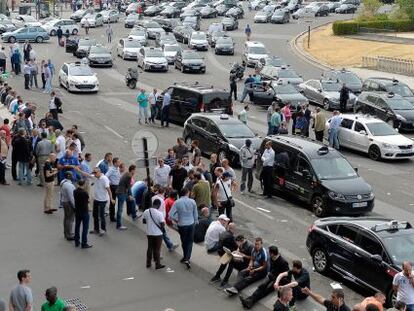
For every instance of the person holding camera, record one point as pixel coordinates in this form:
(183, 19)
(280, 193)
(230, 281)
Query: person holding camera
(247, 158)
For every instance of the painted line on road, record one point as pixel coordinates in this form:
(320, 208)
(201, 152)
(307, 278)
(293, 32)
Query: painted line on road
(262, 209)
(86, 287)
(254, 209)
(128, 279)
(285, 212)
(113, 132)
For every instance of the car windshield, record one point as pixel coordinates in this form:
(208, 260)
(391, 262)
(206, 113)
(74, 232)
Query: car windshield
(98, 50)
(191, 55)
(380, 129)
(333, 168)
(400, 104)
(278, 13)
(235, 130)
(286, 89)
(257, 50)
(154, 53)
(132, 44)
(198, 36)
(331, 87)
(152, 25)
(86, 42)
(80, 71)
(172, 48)
(227, 20)
(348, 78)
(400, 89)
(137, 32)
(287, 74)
(400, 247)
(224, 41)
(276, 62)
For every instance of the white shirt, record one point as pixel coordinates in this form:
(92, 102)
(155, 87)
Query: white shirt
(152, 228)
(268, 157)
(152, 98)
(60, 146)
(100, 193)
(162, 206)
(213, 233)
(161, 175)
(221, 195)
(405, 289)
(52, 103)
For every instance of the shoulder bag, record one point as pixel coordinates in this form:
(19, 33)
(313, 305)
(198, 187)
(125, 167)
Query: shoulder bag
(229, 201)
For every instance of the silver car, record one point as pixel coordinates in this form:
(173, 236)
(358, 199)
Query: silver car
(110, 16)
(131, 20)
(128, 48)
(140, 35)
(262, 17)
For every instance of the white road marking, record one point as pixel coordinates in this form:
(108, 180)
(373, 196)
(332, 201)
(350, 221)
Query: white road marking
(86, 286)
(113, 131)
(128, 279)
(254, 209)
(262, 209)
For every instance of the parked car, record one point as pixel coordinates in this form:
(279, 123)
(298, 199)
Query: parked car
(388, 85)
(99, 56)
(138, 34)
(78, 77)
(32, 33)
(128, 48)
(272, 61)
(6, 26)
(25, 21)
(192, 21)
(288, 75)
(262, 17)
(94, 20)
(258, 4)
(280, 16)
(189, 98)
(64, 24)
(152, 28)
(170, 12)
(79, 14)
(212, 38)
(150, 58)
(189, 61)
(83, 47)
(224, 45)
(168, 24)
(352, 81)
(318, 175)
(110, 16)
(165, 38)
(198, 41)
(183, 33)
(153, 10)
(346, 9)
(170, 52)
(131, 20)
(132, 8)
(190, 12)
(222, 9)
(208, 12)
(230, 23)
(236, 12)
(254, 51)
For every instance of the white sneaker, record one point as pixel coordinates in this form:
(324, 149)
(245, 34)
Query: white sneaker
(102, 232)
(242, 192)
(122, 228)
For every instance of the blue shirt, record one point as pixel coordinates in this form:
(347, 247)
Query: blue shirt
(249, 80)
(166, 100)
(68, 161)
(103, 166)
(184, 211)
(259, 257)
(137, 191)
(85, 166)
(335, 122)
(113, 175)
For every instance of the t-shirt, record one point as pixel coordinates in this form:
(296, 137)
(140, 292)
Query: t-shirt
(301, 278)
(142, 100)
(81, 201)
(280, 306)
(59, 305)
(178, 177)
(259, 257)
(213, 234)
(202, 193)
(405, 289)
(169, 202)
(331, 307)
(180, 151)
(48, 168)
(101, 194)
(157, 218)
(20, 297)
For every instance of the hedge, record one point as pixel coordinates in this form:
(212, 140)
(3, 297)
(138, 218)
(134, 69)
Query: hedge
(351, 27)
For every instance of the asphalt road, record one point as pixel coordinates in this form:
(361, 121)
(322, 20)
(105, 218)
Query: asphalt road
(108, 121)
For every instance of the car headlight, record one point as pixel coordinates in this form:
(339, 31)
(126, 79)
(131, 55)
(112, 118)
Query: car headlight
(336, 196)
(233, 148)
(400, 117)
(371, 195)
(389, 146)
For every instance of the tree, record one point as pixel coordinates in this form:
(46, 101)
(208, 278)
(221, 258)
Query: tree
(407, 6)
(371, 7)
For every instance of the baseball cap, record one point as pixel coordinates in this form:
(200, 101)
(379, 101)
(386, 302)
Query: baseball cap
(226, 174)
(224, 217)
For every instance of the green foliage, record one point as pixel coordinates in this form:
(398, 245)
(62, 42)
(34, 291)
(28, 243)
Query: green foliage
(351, 27)
(407, 6)
(370, 7)
(340, 28)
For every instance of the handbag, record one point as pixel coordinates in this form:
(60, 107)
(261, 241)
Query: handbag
(230, 201)
(159, 227)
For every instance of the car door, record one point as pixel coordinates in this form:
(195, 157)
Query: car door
(64, 74)
(383, 110)
(310, 90)
(360, 139)
(370, 105)
(211, 138)
(22, 34)
(262, 95)
(302, 178)
(345, 133)
(199, 131)
(99, 19)
(178, 60)
(32, 33)
(319, 95)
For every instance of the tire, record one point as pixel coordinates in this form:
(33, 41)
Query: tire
(132, 84)
(391, 297)
(326, 105)
(222, 154)
(374, 153)
(39, 39)
(75, 32)
(318, 206)
(53, 32)
(12, 40)
(320, 260)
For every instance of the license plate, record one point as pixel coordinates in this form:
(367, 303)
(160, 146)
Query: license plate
(196, 67)
(360, 204)
(158, 66)
(406, 151)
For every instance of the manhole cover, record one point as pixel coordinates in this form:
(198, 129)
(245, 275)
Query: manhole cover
(77, 303)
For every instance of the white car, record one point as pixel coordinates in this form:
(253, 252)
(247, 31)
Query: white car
(25, 20)
(94, 20)
(150, 58)
(128, 48)
(198, 41)
(139, 34)
(65, 24)
(170, 51)
(152, 28)
(78, 77)
(254, 51)
(374, 137)
(262, 16)
(110, 16)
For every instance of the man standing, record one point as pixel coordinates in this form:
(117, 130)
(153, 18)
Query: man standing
(142, 100)
(49, 172)
(269, 114)
(59, 35)
(177, 176)
(43, 149)
(276, 121)
(336, 303)
(248, 32)
(23, 153)
(180, 149)
(26, 72)
(155, 228)
(403, 285)
(165, 109)
(3, 58)
(247, 89)
(233, 86)
(114, 176)
(343, 98)
(21, 298)
(68, 202)
(54, 104)
(334, 127)
(54, 303)
(81, 198)
(109, 33)
(105, 163)
(184, 212)
(161, 173)
(102, 194)
(268, 159)
(243, 114)
(86, 25)
(4, 151)
(247, 153)
(123, 194)
(152, 99)
(201, 192)
(319, 124)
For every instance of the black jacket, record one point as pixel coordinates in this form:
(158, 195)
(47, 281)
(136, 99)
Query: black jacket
(343, 95)
(277, 267)
(22, 149)
(226, 239)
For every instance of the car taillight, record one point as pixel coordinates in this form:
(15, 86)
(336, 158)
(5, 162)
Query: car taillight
(311, 228)
(201, 106)
(392, 272)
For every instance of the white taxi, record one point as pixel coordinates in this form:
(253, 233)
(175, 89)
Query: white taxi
(78, 77)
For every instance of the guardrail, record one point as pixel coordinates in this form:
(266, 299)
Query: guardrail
(389, 64)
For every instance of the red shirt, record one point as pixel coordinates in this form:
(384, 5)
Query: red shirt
(168, 204)
(6, 128)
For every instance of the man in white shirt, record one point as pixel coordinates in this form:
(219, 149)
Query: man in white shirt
(60, 144)
(114, 175)
(161, 173)
(403, 285)
(155, 227)
(268, 159)
(217, 227)
(152, 100)
(102, 194)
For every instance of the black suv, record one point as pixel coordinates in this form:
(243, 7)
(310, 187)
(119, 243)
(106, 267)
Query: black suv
(351, 80)
(367, 251)
(389, 107)
(187, 99)
(390, 86)
(220, 134)
(318, 175)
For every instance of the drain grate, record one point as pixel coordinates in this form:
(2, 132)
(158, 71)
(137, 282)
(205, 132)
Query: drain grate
(77, 303)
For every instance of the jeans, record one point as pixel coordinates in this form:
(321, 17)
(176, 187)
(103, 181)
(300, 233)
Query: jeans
(233, 90)
(165, 116)
(238, 265)
(262, 290)
(267, 178)
(43, 80)
(154, 249)
(122, 198)
(167, 241)
(143, 114)
(244, 94)
(54, 113)
(68, 218)
(225, 208)
(319, 135)
(99, 215)
(84, 220)
(26, 81)
(112, 206)
(246, 173)
(269, 128)
(3, 65)
(333, 138)
(33, 79)
(187, 238)
(410, 307)
(48, 86)
(2, 172)
(154, 110)
(14, 166)
(245, 279)
(24, 172)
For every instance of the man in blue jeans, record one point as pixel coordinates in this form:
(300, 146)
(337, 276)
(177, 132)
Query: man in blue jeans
(165, 109)
(184, 213)
(334, 126)
(123, 193)
(81, 198)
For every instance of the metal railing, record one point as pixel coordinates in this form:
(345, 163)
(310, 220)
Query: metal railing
(389, 64)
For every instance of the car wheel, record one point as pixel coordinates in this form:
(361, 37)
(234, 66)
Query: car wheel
(222, 155)
(326, 105)
(74, 32)
(374, 153)
(53, 32)
(318, 206)
(67, 87)
(39, 39)
(391, 297)
(320, 260)
(12, 39)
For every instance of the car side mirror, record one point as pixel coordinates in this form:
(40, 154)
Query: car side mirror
(320, 90)
(376, 258)
(356, 169)
(362, 132)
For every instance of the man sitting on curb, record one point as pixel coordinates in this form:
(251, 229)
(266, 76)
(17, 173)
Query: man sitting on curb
(213, 233)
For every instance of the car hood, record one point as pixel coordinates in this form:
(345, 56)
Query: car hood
(193, 61)
(138, 38)
(170, 53)
(261, 15)
(91, 55)
(131, 50)
(407, 114)
(239, 142)
(224, 45)
(394, 139)
(156, 60)
(227, 23)
(195, 41)
(258, 56)
(292, 97)
(277, 17)
(84, 79)
(349, 186)
(155, 30)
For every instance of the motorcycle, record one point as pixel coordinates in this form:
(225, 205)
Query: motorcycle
(131, 78)
(238, 70)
